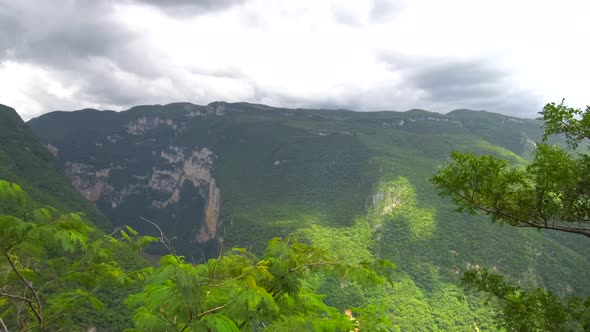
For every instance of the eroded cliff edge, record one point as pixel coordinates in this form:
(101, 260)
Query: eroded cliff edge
(172, 185)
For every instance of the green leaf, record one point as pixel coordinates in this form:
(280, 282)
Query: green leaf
(219, 323)
(131, 230)
(250, 282)
(125, 235)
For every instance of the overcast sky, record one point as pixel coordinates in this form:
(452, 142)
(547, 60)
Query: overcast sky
(506, 56)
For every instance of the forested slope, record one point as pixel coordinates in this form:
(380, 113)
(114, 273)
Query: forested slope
(353, 183)
(25, 161)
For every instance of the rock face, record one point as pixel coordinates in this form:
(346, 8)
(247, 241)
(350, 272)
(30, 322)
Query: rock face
(179, 167)
(54, 150)
(145, 124)
(389, 196)
(152, 162)
(194, 168)
(209, 229)
(91, 183)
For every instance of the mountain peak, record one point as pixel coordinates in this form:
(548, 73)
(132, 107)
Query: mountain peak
(11, 124)
(9, 114)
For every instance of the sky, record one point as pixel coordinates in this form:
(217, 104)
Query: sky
(503, 56)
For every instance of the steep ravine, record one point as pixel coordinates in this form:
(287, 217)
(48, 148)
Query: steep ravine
(192, 167)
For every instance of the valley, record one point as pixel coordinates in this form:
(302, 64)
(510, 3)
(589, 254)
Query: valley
(356, 184)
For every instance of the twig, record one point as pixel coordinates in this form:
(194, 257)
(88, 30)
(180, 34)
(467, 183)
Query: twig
(212, 310)
(203, 256)
(163, 239)
(201, 315)
(61, 313)
(190, 319)
(166, 317)
(311, 264)
(16, 297)
(29, 285)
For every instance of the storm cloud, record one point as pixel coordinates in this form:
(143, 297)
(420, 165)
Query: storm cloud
(57, 34)
(374, 55)
(474, 84)
(190, 7)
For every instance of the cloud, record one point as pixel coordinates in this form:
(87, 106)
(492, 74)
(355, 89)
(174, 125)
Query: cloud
(383, 10)
(448, 83)
(55, 34)
(79, 45)
(357, 13)
(480, 84)
(370, 55)
(190, 7)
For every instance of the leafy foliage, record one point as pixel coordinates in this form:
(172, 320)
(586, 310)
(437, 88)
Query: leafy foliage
(25, 161)
(53, 263)
(530, 310)
(572, 122)
(240, 291)
(551, 192)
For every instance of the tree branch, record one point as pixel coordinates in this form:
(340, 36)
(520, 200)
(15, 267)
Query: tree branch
(61, 313)
(16, 297)
(202, 314)
(527, 223)
(166, 242)
(4, 328)
(167, 319)
(190, 319)
(311, 264)
(39, 311)
(212, 310)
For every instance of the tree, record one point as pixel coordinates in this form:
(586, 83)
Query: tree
(552, 192)
(242, 292)
(530, 310)
(53, 263)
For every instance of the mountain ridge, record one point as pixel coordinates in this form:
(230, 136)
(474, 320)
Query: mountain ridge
(274, 108)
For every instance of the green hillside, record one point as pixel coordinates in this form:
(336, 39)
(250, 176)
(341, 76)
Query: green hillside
(25, 161)
(353, 183)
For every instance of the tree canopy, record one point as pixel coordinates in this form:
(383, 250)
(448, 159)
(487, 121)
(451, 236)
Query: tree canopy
(242, 292)
(52, 264)
(551, 192)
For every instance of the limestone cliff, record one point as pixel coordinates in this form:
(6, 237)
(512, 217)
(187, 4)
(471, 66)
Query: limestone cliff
(209, 229)
(174, 168)
(91, 183)
(145, 124)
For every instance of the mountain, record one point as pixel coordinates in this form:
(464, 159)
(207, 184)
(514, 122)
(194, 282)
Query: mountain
(25, 161)
(353, 183)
